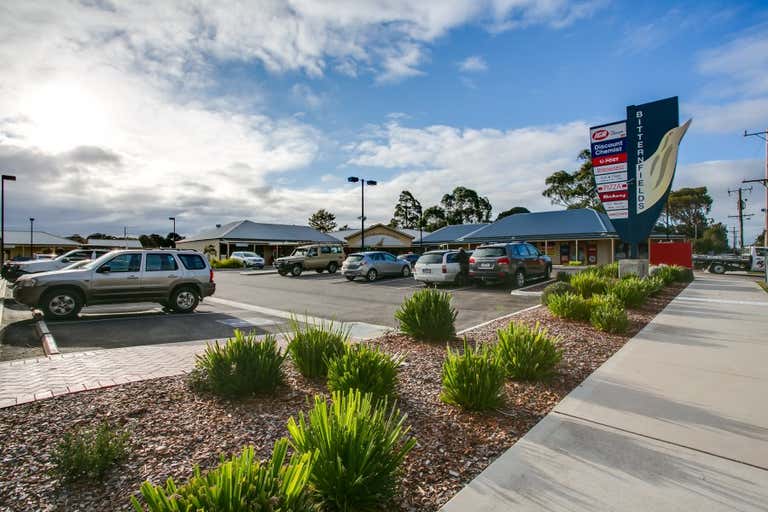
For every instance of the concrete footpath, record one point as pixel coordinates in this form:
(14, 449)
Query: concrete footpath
(676, 420)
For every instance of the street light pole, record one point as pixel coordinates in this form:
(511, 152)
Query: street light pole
(363, 183)
(31, 236)
(5, 177)
(173, 233)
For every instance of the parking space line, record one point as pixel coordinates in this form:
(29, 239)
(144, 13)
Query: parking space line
(509, 315)
(127, 316)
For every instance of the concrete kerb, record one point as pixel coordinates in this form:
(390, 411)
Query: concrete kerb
(44, 335)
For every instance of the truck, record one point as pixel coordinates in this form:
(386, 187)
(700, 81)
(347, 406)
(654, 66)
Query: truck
(751, 259)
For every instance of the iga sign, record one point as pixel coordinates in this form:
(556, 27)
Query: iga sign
(634, 165)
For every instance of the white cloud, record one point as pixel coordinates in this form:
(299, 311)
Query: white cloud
(743, 63)
(307, 96)
(473, 64)
(733, 117)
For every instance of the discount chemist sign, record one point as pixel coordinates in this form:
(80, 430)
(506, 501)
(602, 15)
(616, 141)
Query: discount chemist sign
(634, 163)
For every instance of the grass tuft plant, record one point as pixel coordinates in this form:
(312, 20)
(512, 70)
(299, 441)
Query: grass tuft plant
(631, 292)
(359, 445)
(428, 315)
(241, 366)
(608, 314)
(527, 353)
(241, 484)
(570, 306)
(366, 369)
(89, 454)
(226, 263)
(557, 288)
(311, 346)
(472, 379)
(587, 284)
(563, 276)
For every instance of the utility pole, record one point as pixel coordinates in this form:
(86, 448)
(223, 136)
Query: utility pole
(733, 233)
(740, 208)
(763, 135)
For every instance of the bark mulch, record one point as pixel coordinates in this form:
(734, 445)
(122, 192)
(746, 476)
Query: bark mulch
(172, 428)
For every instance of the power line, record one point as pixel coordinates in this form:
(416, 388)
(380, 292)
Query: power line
(741, 203)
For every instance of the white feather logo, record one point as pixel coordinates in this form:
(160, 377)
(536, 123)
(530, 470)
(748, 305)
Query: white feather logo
(659, 169)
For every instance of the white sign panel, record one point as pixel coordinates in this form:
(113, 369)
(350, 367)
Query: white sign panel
(612, 187)
(610, 178)
(605, 169)
(616, 205)
(608, 132)
(618, 214)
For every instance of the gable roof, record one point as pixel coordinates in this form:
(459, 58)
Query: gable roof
(39, 238)
(450, 234)
(345, 234)
(258, 231)
(128, 243)
(582, 223)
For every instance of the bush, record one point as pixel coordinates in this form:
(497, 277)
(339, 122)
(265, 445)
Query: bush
(683, 274)
(312, 345)
(89, 454)
(569, 305)
(653, 285)
(427, 315)
(366, 369)
(631, 292)
(563, 276)
(587, 284)
(359, 445)
(473, 379)
(574, 263)
(241, 366)
(239, 484)
(226, 263)
(527, 354)
(608, 314)
(556, 288)
(610, 270)
(673, 274)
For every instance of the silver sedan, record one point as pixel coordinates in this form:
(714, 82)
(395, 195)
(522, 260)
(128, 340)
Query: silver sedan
(373, 264)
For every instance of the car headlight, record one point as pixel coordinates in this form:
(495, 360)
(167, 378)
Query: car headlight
(26, 283)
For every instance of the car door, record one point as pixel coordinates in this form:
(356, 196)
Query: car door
(117, 279)
(536, 260)
(325, 256)
(161, 272)
(311, 259)
(393, 266)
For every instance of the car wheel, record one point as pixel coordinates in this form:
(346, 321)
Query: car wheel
(371, 275)
(61, 304)
(319, 270)
(282, 272)
(184, 300)
(333, 267)
(406, 271)
(717, 268)
(519, 279)
(350, 278)
(296, 270)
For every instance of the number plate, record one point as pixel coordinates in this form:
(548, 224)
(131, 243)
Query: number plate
(486, 265)
(426, 271)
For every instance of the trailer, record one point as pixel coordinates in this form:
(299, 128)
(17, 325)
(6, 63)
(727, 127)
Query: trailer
(752, 259)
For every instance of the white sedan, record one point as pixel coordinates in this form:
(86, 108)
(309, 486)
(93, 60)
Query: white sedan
(249, 259)
(437, 267)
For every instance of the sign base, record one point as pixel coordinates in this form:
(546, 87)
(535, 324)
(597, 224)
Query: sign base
(637, 268)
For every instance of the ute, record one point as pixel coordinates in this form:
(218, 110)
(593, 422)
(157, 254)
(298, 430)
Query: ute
(751, 259)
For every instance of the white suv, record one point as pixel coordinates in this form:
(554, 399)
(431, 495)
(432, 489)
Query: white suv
(249, 259)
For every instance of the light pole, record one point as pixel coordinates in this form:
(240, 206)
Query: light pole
(31, 236)
(173, 233)
(5, 177)
(363, 182)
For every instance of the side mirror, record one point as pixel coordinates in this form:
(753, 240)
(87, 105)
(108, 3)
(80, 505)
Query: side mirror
(104, 269)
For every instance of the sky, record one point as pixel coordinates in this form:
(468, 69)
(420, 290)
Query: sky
(122, 114)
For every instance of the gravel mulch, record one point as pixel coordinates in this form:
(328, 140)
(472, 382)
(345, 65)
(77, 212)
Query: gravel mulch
(171, 427)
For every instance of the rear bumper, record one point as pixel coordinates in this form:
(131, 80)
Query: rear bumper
(208, 289)
(353, 272)
(489, 277)
(435, 278)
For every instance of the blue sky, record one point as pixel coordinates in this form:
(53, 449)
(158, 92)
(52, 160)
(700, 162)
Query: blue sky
(121, 114)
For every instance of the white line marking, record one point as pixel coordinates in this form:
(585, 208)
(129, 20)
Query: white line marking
(496, 319)
(535, 284)
(724, 301)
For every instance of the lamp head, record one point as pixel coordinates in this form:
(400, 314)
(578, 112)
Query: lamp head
(370, 182)
(353, 179)
(171, 218)
(8, 177)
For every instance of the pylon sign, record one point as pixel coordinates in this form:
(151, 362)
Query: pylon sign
(634, 164)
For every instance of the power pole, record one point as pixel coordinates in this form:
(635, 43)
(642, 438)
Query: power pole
(763, 135)
(740, 208)
(733, 233)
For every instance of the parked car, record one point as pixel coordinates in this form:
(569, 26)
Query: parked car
(178, 280)
(513, 263)
(16, 269)
(249, 259)
(438, 267)
(317, 257)
(411, 258)
(372, 264)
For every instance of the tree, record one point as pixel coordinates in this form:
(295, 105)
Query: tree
(433, 218)
(78, 238)
(103, 236)
(760, 240)
(345, 227)
(713, 240)
(513, 211)
(464, 205)
(688, 210)
(407, 212)
(323, 220)
(574, 189)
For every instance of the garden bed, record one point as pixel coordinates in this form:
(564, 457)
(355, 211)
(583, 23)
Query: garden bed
(171, 427)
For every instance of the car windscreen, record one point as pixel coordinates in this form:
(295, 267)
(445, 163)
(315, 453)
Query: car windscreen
(431, 258)
(355, 257)
(489, 252)
(249, 255)
(300, 252)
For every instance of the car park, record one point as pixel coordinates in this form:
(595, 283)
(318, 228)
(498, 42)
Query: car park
(438, 267)
(374, 264)
(317, 257)
(16, 269)
(249, 259)
(510, 263)
(176, 279)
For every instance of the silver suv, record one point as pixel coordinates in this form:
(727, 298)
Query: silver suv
(176, 279)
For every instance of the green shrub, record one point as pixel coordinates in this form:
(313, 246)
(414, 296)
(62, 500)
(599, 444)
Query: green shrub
(569, 305)
(428, 315)
(653, 285)
(683, 274)
(587, 284)
(673, 273)
(563, 276)
(226, 263)
(556, 288)
(240, 484)
(574, 263)
(474, 379)
(631, 292)
(360, 444)
(312, 345)
(366, 369)
(527, 353)
(608, 314)
(89, 454)
(610, 270)
(241, 366)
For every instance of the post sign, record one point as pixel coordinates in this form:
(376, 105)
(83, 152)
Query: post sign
(634, 163)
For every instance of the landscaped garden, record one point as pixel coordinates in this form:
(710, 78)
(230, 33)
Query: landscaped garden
(401, 422)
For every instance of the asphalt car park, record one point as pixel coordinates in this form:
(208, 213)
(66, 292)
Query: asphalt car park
(262, 303)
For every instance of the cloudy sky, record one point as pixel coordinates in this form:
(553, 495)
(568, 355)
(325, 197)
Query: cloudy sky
(120, 114)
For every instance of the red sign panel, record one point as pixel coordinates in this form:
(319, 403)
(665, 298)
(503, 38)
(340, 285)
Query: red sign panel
(609, 159)
(607, 197)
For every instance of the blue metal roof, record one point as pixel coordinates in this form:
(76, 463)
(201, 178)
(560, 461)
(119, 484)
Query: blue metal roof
(257, 231)
(580, 223)
(450, 234)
